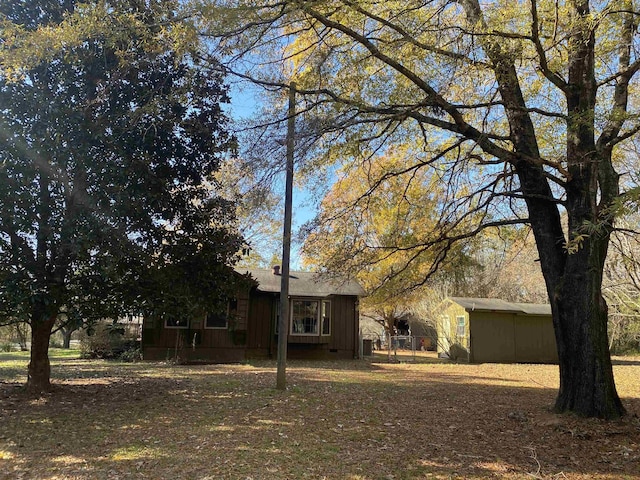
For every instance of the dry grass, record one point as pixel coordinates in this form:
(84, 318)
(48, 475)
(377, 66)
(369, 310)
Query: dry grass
(355, 420)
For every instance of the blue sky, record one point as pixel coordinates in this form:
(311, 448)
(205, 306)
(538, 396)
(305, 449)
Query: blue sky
(245, 101)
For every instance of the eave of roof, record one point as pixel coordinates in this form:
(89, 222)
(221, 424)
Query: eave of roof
(497, 305)
(304, 284)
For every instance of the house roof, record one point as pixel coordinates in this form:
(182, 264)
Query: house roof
(304, 284)
(497, 305)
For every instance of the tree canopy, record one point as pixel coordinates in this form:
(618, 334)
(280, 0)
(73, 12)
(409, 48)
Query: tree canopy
(526, 111)
(109, 138)
(383, 239)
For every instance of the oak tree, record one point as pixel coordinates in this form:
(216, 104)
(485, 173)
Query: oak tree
(524, 109)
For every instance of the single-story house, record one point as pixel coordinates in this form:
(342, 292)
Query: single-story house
(323, 323)
(489, 330)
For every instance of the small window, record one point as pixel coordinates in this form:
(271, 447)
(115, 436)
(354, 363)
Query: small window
(221, 319)
(216, 320)
(326, 318)
(460, 331)
(173, 322)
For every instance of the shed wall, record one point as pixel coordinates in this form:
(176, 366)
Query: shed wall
(511, 338)
(535, 339)
(449, 342)
(492, 337)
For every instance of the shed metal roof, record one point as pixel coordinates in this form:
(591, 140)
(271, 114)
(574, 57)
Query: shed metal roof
(304, 284)
(497, 305)
(535, 308)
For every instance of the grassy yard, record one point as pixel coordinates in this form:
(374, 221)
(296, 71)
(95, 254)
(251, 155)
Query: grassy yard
(353, 420)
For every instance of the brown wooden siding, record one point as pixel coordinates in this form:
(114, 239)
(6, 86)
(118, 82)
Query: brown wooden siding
(262, 340)
(253, 334)
(197, 343)
(344, 324)
(259, 328)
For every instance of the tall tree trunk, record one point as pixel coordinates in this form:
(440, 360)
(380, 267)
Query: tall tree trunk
(572, 269)
(66, 337)
(21, 334)
(573, 274)
(586, 375)
(587, 384)
(39, 372)
(44, 308)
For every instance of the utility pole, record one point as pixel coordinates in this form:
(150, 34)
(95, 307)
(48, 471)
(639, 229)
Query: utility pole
(283, 324)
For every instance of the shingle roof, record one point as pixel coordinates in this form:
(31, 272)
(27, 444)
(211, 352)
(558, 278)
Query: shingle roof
(497, 305)
(304, 284)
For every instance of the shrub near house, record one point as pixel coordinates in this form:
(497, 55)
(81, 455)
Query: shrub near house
(108, 341)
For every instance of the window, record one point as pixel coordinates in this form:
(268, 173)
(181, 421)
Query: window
(307, 317)
(216, 320)
(304, 317)
(460, 330)
(221, 319)
(326, 318)
(172, 322)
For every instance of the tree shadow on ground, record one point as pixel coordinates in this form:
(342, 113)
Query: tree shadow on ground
(625, 361)
(161, 421)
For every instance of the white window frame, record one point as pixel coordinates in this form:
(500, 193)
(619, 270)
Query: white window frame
(317, 317)
(461, 325)
(226, 322)
(227, 315)
(322, 306)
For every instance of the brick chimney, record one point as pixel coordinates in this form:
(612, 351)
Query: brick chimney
(276, 269)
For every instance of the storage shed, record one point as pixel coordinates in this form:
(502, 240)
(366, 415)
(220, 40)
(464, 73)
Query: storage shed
(488, 330)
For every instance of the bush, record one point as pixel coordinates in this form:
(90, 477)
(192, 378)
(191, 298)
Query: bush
(458, 352)
(14, 337)
(131, 355)
(624, 333)
(109, 341)
(55, 341)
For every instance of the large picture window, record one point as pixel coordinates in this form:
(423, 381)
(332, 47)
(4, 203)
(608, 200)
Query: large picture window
(304, 317)
(307, 317)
